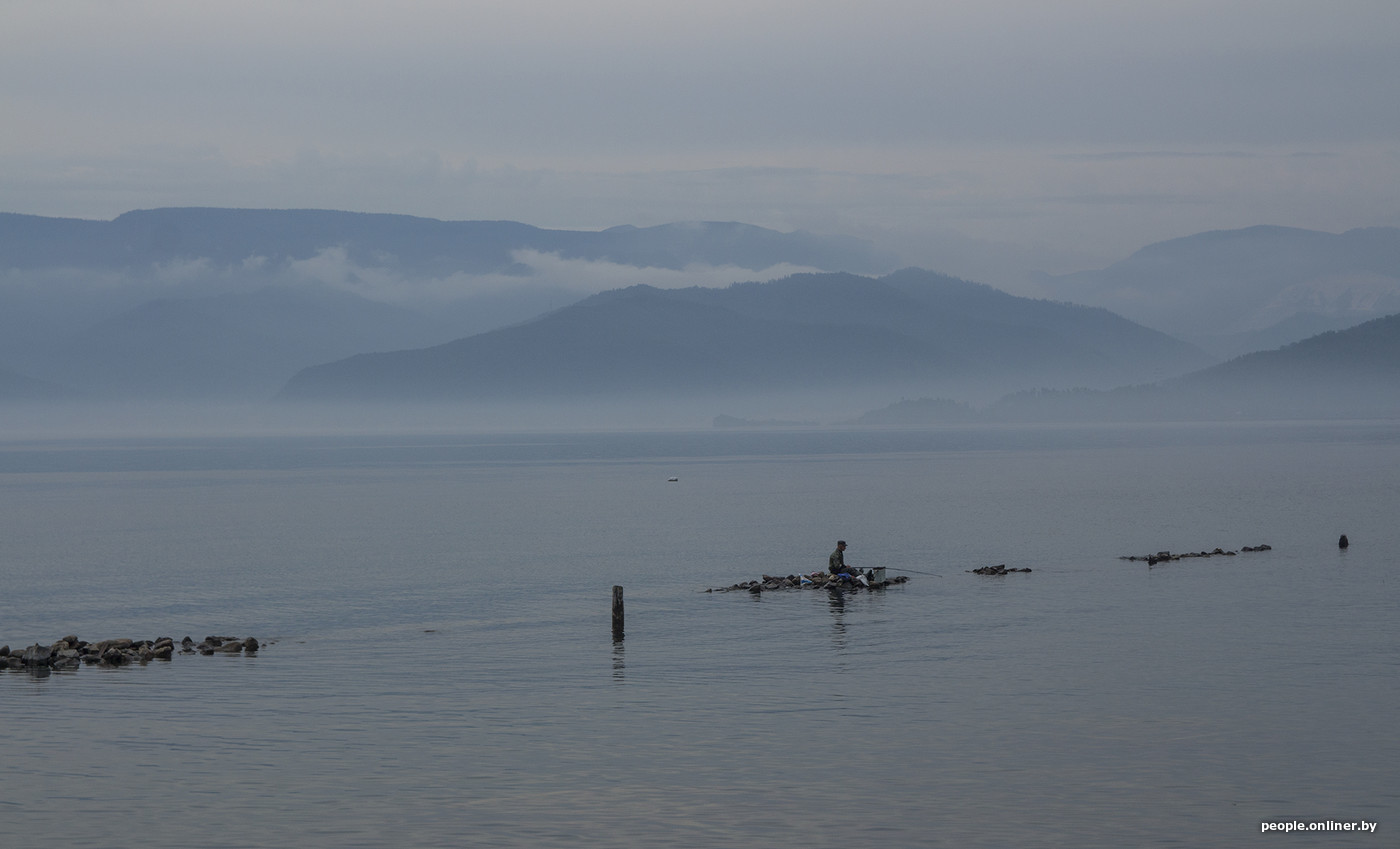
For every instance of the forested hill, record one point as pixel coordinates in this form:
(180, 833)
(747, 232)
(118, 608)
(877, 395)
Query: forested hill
(1365, 357)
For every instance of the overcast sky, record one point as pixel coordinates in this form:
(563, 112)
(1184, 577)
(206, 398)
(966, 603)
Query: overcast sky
(1032, 133)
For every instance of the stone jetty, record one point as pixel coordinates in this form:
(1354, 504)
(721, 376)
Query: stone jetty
(809, 581)
(1167, 556)
(71, 652)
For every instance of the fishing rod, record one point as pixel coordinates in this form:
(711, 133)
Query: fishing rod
(915, 571)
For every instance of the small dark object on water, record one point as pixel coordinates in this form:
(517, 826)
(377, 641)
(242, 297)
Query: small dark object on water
(618, 614)
(1343, 542)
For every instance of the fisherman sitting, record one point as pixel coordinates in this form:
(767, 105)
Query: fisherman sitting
(836, 564)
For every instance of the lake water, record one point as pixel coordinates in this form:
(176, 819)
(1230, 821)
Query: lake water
(441, 670)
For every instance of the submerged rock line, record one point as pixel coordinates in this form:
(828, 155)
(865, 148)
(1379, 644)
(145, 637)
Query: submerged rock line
(1167, 556)
(71, 652)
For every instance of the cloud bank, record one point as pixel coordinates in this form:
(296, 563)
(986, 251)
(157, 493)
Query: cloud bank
(332, 268)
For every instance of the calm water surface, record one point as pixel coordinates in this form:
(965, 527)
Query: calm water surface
(442, 672)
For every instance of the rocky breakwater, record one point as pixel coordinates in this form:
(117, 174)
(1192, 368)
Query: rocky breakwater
(999, 569)
(1168, 557)
(810, 581)
(71, 652)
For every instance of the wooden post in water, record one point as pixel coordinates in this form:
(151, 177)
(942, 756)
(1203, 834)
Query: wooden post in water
(617, 613)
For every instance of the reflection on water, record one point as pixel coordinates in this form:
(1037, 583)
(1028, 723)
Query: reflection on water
(619, 664)
(836, 603)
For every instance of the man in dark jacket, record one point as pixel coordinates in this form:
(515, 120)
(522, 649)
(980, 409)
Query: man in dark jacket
(836, 563)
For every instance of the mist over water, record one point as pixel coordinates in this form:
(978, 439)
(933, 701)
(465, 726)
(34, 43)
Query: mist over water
(440, 668)
(962, 284)
(685, 410)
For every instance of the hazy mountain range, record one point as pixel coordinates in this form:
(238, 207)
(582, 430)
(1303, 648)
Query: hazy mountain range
(903, 332)
(205, 303)
(239, 304)
(1235, 291)
(1353, 373)
(231, 237)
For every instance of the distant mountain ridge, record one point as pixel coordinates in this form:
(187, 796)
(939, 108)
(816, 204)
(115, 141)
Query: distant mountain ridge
(200, 304)
(1235, 291)
(807, 332)
(421, 245)
(1353, 373)
(1357, 367)
(229, 303)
